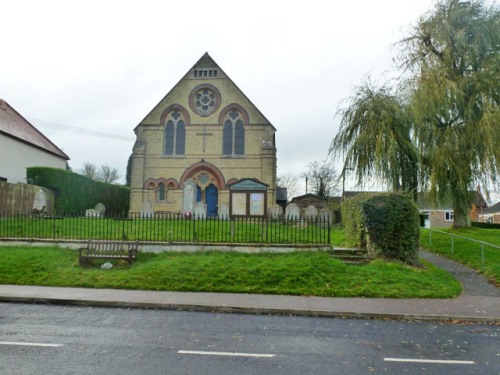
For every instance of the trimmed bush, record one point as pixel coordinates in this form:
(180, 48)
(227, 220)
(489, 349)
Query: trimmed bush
(386, 224)
(485, 225)
(75, 193)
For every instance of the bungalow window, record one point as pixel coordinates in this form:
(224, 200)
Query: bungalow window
(448, 216)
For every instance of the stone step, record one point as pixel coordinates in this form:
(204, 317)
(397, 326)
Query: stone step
(351, 255)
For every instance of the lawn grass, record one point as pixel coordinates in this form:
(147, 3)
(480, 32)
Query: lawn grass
(166, 229)
(467, 252)
(312, 273)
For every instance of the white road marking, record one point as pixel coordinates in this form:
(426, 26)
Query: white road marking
(31, 344)
(227, 354)
(444, 361)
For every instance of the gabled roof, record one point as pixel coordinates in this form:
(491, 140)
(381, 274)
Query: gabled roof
(492, 209)
(425, 200)
(244, 183)
(206, 62)
(13, 125)
(308, 196)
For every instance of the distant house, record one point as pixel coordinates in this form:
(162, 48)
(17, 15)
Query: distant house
(490, 214)
(23, 146)
(306, 200)
(440, 214)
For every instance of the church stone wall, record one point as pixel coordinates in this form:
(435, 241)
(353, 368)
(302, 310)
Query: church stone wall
(150, 163)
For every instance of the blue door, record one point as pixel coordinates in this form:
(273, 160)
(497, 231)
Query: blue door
(212, 200)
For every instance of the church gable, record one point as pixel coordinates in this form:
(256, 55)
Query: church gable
(205, 90)
(204, 134)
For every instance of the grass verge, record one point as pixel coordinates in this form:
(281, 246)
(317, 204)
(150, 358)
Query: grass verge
(299, 273)
(467, 252)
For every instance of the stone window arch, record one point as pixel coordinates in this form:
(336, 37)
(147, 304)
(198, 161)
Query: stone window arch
(174, 133)
(233, 132)
(160, 192)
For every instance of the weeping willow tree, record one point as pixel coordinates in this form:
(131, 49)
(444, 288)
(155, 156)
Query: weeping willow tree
(453, 54)
(447, 129)
(375, 139)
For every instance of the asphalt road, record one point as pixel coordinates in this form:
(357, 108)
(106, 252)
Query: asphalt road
(47, 339)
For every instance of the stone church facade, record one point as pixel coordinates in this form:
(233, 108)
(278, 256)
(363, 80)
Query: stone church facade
(205, 134)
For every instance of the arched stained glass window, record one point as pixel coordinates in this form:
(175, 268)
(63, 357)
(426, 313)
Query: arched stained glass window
(233, 134)
(180, 139)
(174, 138)
(227, 138)
(169, 138)
(239, 138)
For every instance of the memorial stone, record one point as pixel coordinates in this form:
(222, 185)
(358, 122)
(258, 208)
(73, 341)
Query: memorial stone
(188, 197)
(326, 217)
(91, 213)
(147, 209)
(276, 211)
(100, 209)
(223, 211)
(292, 212)
(40, 202)
(310, 213)
(200, 210)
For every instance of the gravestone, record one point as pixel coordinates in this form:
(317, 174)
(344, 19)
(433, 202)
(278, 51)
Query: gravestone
(276, 211)
(310, 213)
(147, 209)
(100, 209)
(91, 213)
(188, 196)
(326, 217)
(40, 202)
(292, 212)
(200, 210)
(223, 211)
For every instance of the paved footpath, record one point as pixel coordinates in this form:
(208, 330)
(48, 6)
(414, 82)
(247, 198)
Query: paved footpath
(479, 302)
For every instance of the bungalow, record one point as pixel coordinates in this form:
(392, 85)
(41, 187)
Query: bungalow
(490, 214)
(440, 214)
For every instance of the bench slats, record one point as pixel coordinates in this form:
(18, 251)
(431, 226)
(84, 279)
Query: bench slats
(109, 250)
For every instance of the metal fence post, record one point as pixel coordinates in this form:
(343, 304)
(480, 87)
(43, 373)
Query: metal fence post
(452, 249)
(482, 257)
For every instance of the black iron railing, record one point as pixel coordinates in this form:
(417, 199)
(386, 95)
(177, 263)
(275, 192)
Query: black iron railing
(171, 228)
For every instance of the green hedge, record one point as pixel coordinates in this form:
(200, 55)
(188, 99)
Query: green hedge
(76, 193)
(386, 224)
(485, 225)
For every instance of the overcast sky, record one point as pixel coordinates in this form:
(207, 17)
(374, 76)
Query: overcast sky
(103, 65)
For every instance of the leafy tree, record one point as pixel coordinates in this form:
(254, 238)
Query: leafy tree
(374, 138)
(128, 176)
(322, 178)
(453, 55)
(450, 112)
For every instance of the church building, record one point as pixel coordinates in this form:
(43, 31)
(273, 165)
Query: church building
(204, 142)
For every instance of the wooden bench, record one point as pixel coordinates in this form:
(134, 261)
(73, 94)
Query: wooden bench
(108, 250)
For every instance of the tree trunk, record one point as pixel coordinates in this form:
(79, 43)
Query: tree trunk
(461, 217)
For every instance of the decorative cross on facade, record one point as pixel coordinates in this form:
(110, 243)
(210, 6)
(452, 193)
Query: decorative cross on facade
(204, 134)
